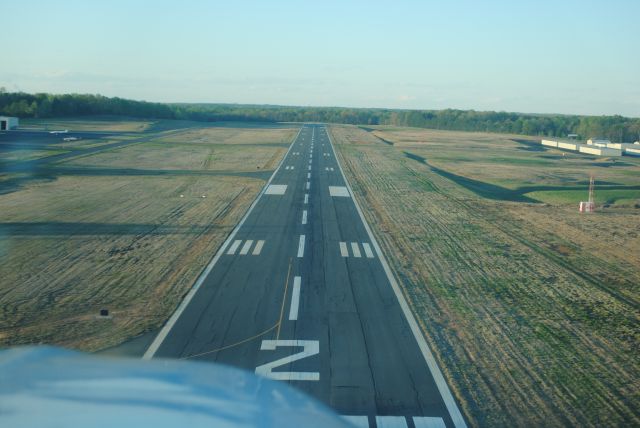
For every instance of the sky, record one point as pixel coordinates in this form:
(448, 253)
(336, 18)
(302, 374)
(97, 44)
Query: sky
(561, 56)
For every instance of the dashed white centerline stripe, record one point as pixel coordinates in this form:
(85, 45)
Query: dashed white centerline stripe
(306, 198)
(258, 248)
(304, 217)
(308, 185)
(308, 175)
(295, 299)
(367, 250)
(245, 247)
(309, 167)
(234, 246)
(355, 249)
(301, 246)
(343, 249)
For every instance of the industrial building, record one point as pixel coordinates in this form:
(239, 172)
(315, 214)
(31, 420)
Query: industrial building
(7, 123)
(596, 146)
(600, 142)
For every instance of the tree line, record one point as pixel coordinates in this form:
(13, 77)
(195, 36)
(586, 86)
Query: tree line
(616, 128)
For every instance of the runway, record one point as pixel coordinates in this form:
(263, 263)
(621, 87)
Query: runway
(300, 292)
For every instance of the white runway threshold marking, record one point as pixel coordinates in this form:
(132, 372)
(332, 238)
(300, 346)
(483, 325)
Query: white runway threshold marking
(355, 249)
(276, 189)
(295, 299)
(258, 248)
(301, 246)
(245, 247)
(343, 249)
(391, 422)
(304, 217)
(428, 422)
(367, 250)
(339, 191)
(234, 246)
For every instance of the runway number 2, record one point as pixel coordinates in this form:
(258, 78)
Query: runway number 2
(309, 348)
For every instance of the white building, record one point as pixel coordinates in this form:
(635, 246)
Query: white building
(600, 142)
(7, 123)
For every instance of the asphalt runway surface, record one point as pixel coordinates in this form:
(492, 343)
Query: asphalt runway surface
(300, 292)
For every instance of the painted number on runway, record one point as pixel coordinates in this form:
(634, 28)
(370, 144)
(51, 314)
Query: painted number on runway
(309, 349)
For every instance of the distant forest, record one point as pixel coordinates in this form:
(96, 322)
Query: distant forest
(615, 128)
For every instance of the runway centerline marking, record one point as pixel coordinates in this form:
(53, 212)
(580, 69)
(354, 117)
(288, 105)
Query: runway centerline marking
(304, 217)
(295, 299)
(301, 246)
(306, 198)
(308, 185)
(308, 175)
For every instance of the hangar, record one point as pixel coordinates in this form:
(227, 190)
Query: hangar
(7, 123)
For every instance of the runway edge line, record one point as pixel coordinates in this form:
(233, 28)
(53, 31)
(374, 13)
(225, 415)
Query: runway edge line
(441, 383)
(153, 348)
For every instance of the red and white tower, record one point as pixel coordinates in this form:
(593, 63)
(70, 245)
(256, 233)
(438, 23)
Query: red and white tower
(590, 206)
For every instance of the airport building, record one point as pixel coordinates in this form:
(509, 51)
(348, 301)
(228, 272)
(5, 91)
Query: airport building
(597, 147)
(7, 123)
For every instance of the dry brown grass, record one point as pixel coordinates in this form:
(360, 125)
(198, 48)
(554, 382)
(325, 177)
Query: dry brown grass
(531, 309)
(174, 156)
(233, 135)
(209, 149)
(71, 245)
(89, 124)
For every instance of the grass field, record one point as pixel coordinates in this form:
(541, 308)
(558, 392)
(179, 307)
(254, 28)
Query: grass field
(95, 123)
(530, 307)
(109, 229)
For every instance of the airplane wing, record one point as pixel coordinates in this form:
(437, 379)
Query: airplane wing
(45, 387)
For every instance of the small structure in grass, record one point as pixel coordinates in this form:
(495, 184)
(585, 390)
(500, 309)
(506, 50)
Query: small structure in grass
(590, 205)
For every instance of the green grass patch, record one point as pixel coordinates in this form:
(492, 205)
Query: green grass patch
(602, 196)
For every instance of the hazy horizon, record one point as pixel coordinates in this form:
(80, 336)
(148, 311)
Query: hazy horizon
(569, 58)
